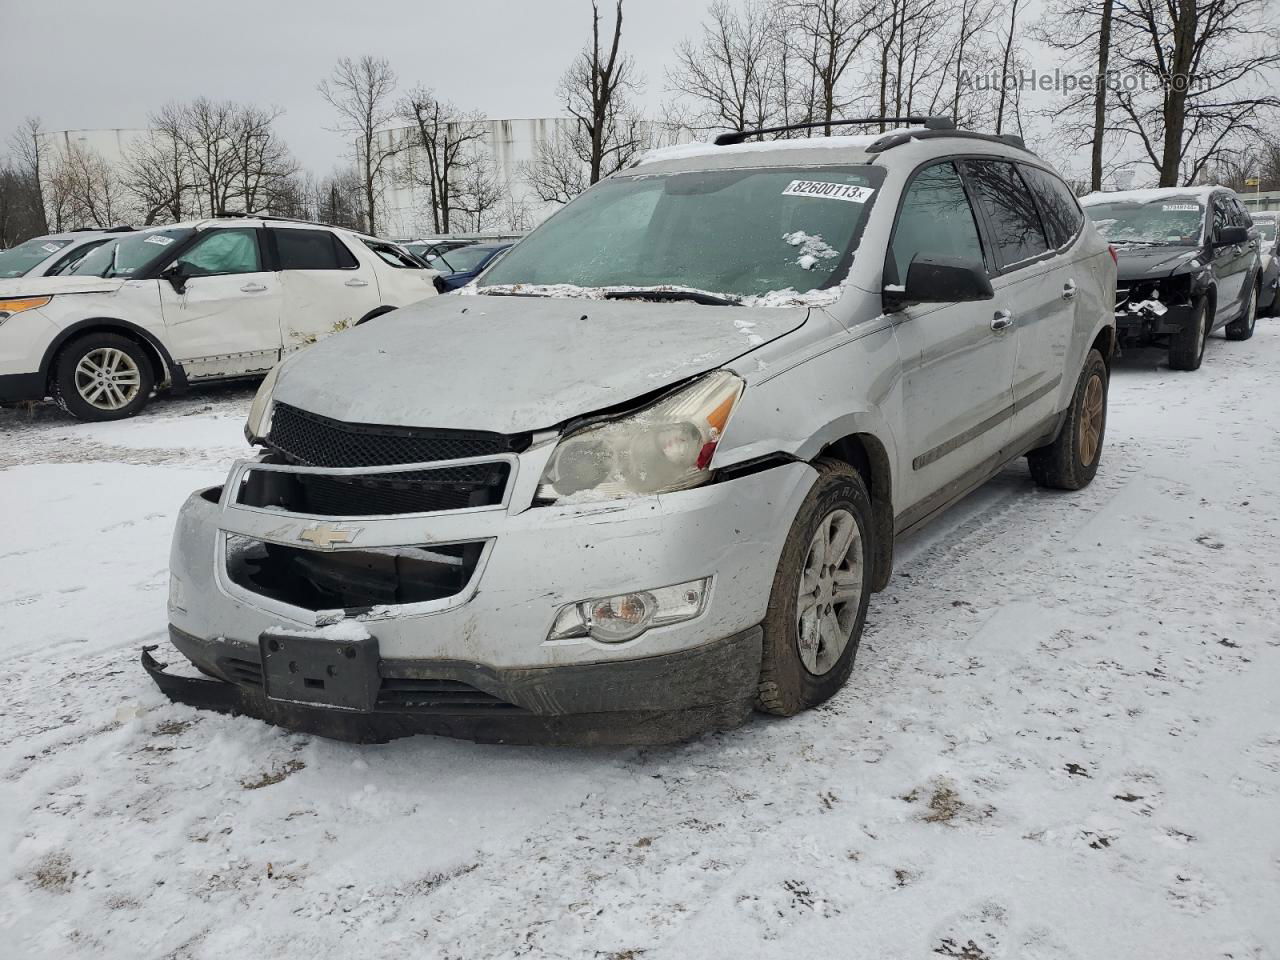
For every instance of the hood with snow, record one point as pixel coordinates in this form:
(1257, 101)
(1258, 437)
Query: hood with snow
(516, 364)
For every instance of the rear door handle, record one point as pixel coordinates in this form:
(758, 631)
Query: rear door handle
(356, 282)
(1069, 290)
(253, 288)
(1001, 320)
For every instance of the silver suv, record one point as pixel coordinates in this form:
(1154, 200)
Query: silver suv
(647, 472)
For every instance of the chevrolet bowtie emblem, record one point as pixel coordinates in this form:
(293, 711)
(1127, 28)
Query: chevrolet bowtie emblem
(325, 535)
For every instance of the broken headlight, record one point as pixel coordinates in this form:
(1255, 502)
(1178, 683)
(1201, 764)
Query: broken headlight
(258, 424)
(664, 447)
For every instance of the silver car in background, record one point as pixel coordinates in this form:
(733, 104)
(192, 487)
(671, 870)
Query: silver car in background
(647, 472)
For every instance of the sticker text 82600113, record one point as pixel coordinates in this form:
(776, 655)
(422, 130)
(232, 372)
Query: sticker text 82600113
(825, 190)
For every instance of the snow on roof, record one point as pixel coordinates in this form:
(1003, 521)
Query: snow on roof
(685, 151)
(1146, 196)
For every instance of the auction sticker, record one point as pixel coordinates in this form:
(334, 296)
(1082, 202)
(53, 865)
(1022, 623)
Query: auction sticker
(160, 239)
(51, 248)
(826, 190)
(1175, 207)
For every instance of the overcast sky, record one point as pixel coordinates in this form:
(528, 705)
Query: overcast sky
(93, 64)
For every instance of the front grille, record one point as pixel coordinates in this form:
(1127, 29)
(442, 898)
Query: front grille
(437, 696)
(377, 494)
(351, 580)
(312, 440)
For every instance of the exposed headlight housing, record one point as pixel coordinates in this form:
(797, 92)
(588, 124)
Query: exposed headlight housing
(12, 305)
(626, 616)
(258, 424)
(664, 447)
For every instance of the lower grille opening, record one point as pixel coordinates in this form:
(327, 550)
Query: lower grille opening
(242, 671)
(437, 696)
(351, 580)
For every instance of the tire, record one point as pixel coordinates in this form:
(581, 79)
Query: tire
(792, 679)
(1186, 347)
(102, 376)
(1243, 326)
(1071, 461)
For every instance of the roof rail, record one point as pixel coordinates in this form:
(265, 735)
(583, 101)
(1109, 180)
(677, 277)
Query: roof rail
(238, 214)
(738, 136)
(896, 139)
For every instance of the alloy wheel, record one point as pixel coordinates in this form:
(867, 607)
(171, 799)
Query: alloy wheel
(107, 378)
(1091, 417)
(830, 592)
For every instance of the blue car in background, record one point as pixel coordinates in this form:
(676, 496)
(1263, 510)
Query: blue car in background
(459, 267)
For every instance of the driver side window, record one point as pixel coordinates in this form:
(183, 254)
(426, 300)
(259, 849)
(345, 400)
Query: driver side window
(935, 220)
(223, 251)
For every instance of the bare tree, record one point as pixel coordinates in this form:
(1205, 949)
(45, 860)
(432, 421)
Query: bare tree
(596, 90)
(1199, 69)
(829, 36)
(443, 138)
(361, 92)
(28, 151)
(1009, 42)
(478, 193)
(157, 170)
(82, 189)
(260, 158)
(731, 72)
(557, 173)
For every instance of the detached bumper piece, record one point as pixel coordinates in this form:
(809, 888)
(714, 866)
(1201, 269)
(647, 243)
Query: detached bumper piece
(652, 700)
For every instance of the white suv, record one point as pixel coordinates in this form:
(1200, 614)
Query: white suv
(198, 301)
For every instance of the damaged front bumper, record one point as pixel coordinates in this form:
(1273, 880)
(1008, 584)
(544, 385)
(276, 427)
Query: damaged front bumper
(467, 599)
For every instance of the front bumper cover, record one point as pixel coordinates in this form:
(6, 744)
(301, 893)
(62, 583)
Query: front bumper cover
(649, 700)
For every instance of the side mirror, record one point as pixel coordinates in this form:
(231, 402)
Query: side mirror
(176, 275)
(1229, 236)
(941, 280)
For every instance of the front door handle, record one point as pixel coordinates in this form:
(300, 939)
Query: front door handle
(1069, 290)
(253, 288)
(356, 282)
(1002, 320)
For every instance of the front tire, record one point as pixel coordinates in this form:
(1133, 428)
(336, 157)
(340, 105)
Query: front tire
(1186, 347)
(102, 376)
(1243, 326)
(818, 602)
(1070, 462)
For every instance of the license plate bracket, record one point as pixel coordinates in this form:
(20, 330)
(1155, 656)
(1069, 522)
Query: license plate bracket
(318, 671)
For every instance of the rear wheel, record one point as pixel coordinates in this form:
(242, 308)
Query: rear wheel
(1243, 326)
(1186, 347)
(102, 376)
(818, 602)
(1071, 461)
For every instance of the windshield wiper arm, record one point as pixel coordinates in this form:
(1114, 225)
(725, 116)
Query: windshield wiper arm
(693, 296)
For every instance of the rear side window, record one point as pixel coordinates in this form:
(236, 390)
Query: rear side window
(1010, 210)
(935, 220)
(312, 250)
(1059, 210)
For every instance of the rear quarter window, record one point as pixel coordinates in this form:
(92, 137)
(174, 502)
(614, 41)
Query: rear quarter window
(1058, 205)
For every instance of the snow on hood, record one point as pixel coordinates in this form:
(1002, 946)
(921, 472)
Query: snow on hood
(42, 286)
(514, 364)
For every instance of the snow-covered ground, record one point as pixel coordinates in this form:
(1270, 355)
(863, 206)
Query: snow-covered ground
(1061, 740)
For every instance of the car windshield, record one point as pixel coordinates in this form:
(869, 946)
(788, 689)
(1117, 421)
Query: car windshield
(16, 261)
(461, 259)
(742, 233)
(1167, 221)
(131, 255)
(1266, 230)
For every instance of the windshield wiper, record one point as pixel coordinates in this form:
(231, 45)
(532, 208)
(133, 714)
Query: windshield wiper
(491, 292)
(693, 296)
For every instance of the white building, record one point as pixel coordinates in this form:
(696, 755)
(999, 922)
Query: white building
(510, 146)
(111, 145)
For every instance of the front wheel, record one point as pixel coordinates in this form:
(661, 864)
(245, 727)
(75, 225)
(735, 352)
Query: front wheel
(102, 376)
(1243, 326)
(1186, 347)
(818, 602)
(1071, 461)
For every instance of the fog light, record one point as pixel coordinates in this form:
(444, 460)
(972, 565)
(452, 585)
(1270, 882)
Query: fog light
(626, 616)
